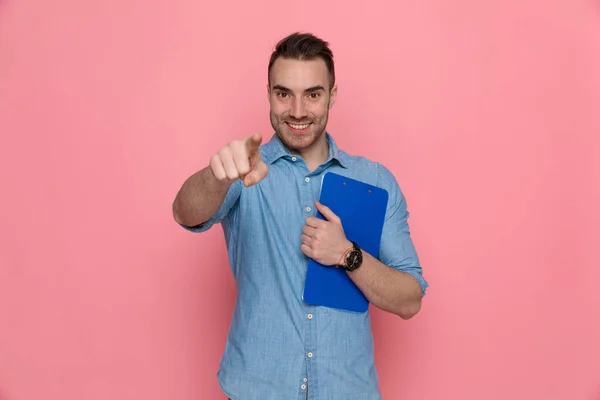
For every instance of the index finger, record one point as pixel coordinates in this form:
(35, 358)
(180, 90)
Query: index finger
(253, 143)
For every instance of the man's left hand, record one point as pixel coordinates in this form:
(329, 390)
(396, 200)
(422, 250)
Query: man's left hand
(324, 241)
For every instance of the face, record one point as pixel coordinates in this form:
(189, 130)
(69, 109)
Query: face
(300, 99)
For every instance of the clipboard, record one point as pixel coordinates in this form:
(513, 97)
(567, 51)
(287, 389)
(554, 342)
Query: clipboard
(361, 208)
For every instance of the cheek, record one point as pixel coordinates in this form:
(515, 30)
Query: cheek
(320, 110)
(278, 110)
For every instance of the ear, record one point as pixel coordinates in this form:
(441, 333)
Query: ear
(268, 90)
(332, 96)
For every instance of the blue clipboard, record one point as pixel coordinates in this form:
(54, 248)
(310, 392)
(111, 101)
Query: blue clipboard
(361, 208)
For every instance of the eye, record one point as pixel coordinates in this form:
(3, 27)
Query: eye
(282, 95)
(314, 96)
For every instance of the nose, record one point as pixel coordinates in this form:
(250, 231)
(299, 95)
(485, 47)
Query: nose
(298, 110)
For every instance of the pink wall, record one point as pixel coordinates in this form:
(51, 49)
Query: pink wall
(489, 115)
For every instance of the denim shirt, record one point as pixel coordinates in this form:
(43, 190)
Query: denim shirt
(280, 347)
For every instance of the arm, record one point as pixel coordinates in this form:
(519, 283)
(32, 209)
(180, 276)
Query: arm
(387, 288)
(199, 198)
(393, 278)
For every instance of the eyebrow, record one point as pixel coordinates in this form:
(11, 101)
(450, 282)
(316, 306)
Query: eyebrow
(309, 90)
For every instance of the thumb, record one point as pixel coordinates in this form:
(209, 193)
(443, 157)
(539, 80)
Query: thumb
(327, 213)
(257, 174)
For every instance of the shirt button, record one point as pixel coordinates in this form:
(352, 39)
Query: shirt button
(307, 179)
(307, 209)
(309, 316)
(303, 387)
(305, 380)
(294, 158)
(309, 354)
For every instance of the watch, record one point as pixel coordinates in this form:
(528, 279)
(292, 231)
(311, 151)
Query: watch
(353, 258)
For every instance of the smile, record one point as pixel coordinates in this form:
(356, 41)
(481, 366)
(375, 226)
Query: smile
(299, 127)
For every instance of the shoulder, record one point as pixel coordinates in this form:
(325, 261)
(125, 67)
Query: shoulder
(378, 171)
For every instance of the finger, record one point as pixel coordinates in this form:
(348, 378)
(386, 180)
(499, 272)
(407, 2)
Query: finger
(258, 173)
(327, 213)
(228, 163)
(315, 222)
(217, 168)
(253, 143)
(255, 157)
(241, 159)
(306, 239)
(306, 250)
(309, 231)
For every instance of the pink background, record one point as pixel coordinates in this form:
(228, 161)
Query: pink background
(488, 113)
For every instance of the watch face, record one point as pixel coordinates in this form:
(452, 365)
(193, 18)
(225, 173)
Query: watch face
(354, 259)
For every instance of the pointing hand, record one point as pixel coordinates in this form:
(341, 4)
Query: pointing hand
(240, 159)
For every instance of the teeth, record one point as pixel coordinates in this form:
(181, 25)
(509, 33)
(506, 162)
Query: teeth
(299, 127)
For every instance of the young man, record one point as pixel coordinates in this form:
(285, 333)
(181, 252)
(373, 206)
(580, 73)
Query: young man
(265, 196)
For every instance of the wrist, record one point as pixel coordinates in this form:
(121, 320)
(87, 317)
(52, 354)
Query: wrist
(220, 185)
(352, 258)
(346, 247)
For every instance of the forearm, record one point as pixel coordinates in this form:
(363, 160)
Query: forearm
(199, 198)
(387, 288)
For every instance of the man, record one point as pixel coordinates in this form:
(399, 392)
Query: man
(265, 196)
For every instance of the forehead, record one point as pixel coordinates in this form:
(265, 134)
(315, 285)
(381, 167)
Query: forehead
(299, 75)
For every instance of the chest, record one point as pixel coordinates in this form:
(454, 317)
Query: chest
(283, 200)
(286, 197)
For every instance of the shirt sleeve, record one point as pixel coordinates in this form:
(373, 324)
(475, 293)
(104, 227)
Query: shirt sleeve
(397, 249)
(229, 205)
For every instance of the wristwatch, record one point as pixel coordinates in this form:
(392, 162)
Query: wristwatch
(352, 258)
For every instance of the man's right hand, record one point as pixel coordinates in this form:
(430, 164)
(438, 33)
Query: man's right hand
(240, 159)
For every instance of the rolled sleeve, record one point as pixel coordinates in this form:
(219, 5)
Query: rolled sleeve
(397, 249)
(228, 206)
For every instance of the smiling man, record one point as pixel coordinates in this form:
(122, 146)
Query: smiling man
(265, 197)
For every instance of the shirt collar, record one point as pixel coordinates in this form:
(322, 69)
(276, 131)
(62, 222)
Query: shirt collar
(275, 149)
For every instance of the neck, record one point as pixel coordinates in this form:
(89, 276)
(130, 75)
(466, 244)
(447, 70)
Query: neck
(316, 154)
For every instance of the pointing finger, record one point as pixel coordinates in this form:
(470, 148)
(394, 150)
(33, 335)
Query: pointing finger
(253, 143)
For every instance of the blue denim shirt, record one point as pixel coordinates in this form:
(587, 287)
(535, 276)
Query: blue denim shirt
(278, 346)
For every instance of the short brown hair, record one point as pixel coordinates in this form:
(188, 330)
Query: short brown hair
(304, 46)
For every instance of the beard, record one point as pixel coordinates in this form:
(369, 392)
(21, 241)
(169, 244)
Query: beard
(299, 141)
